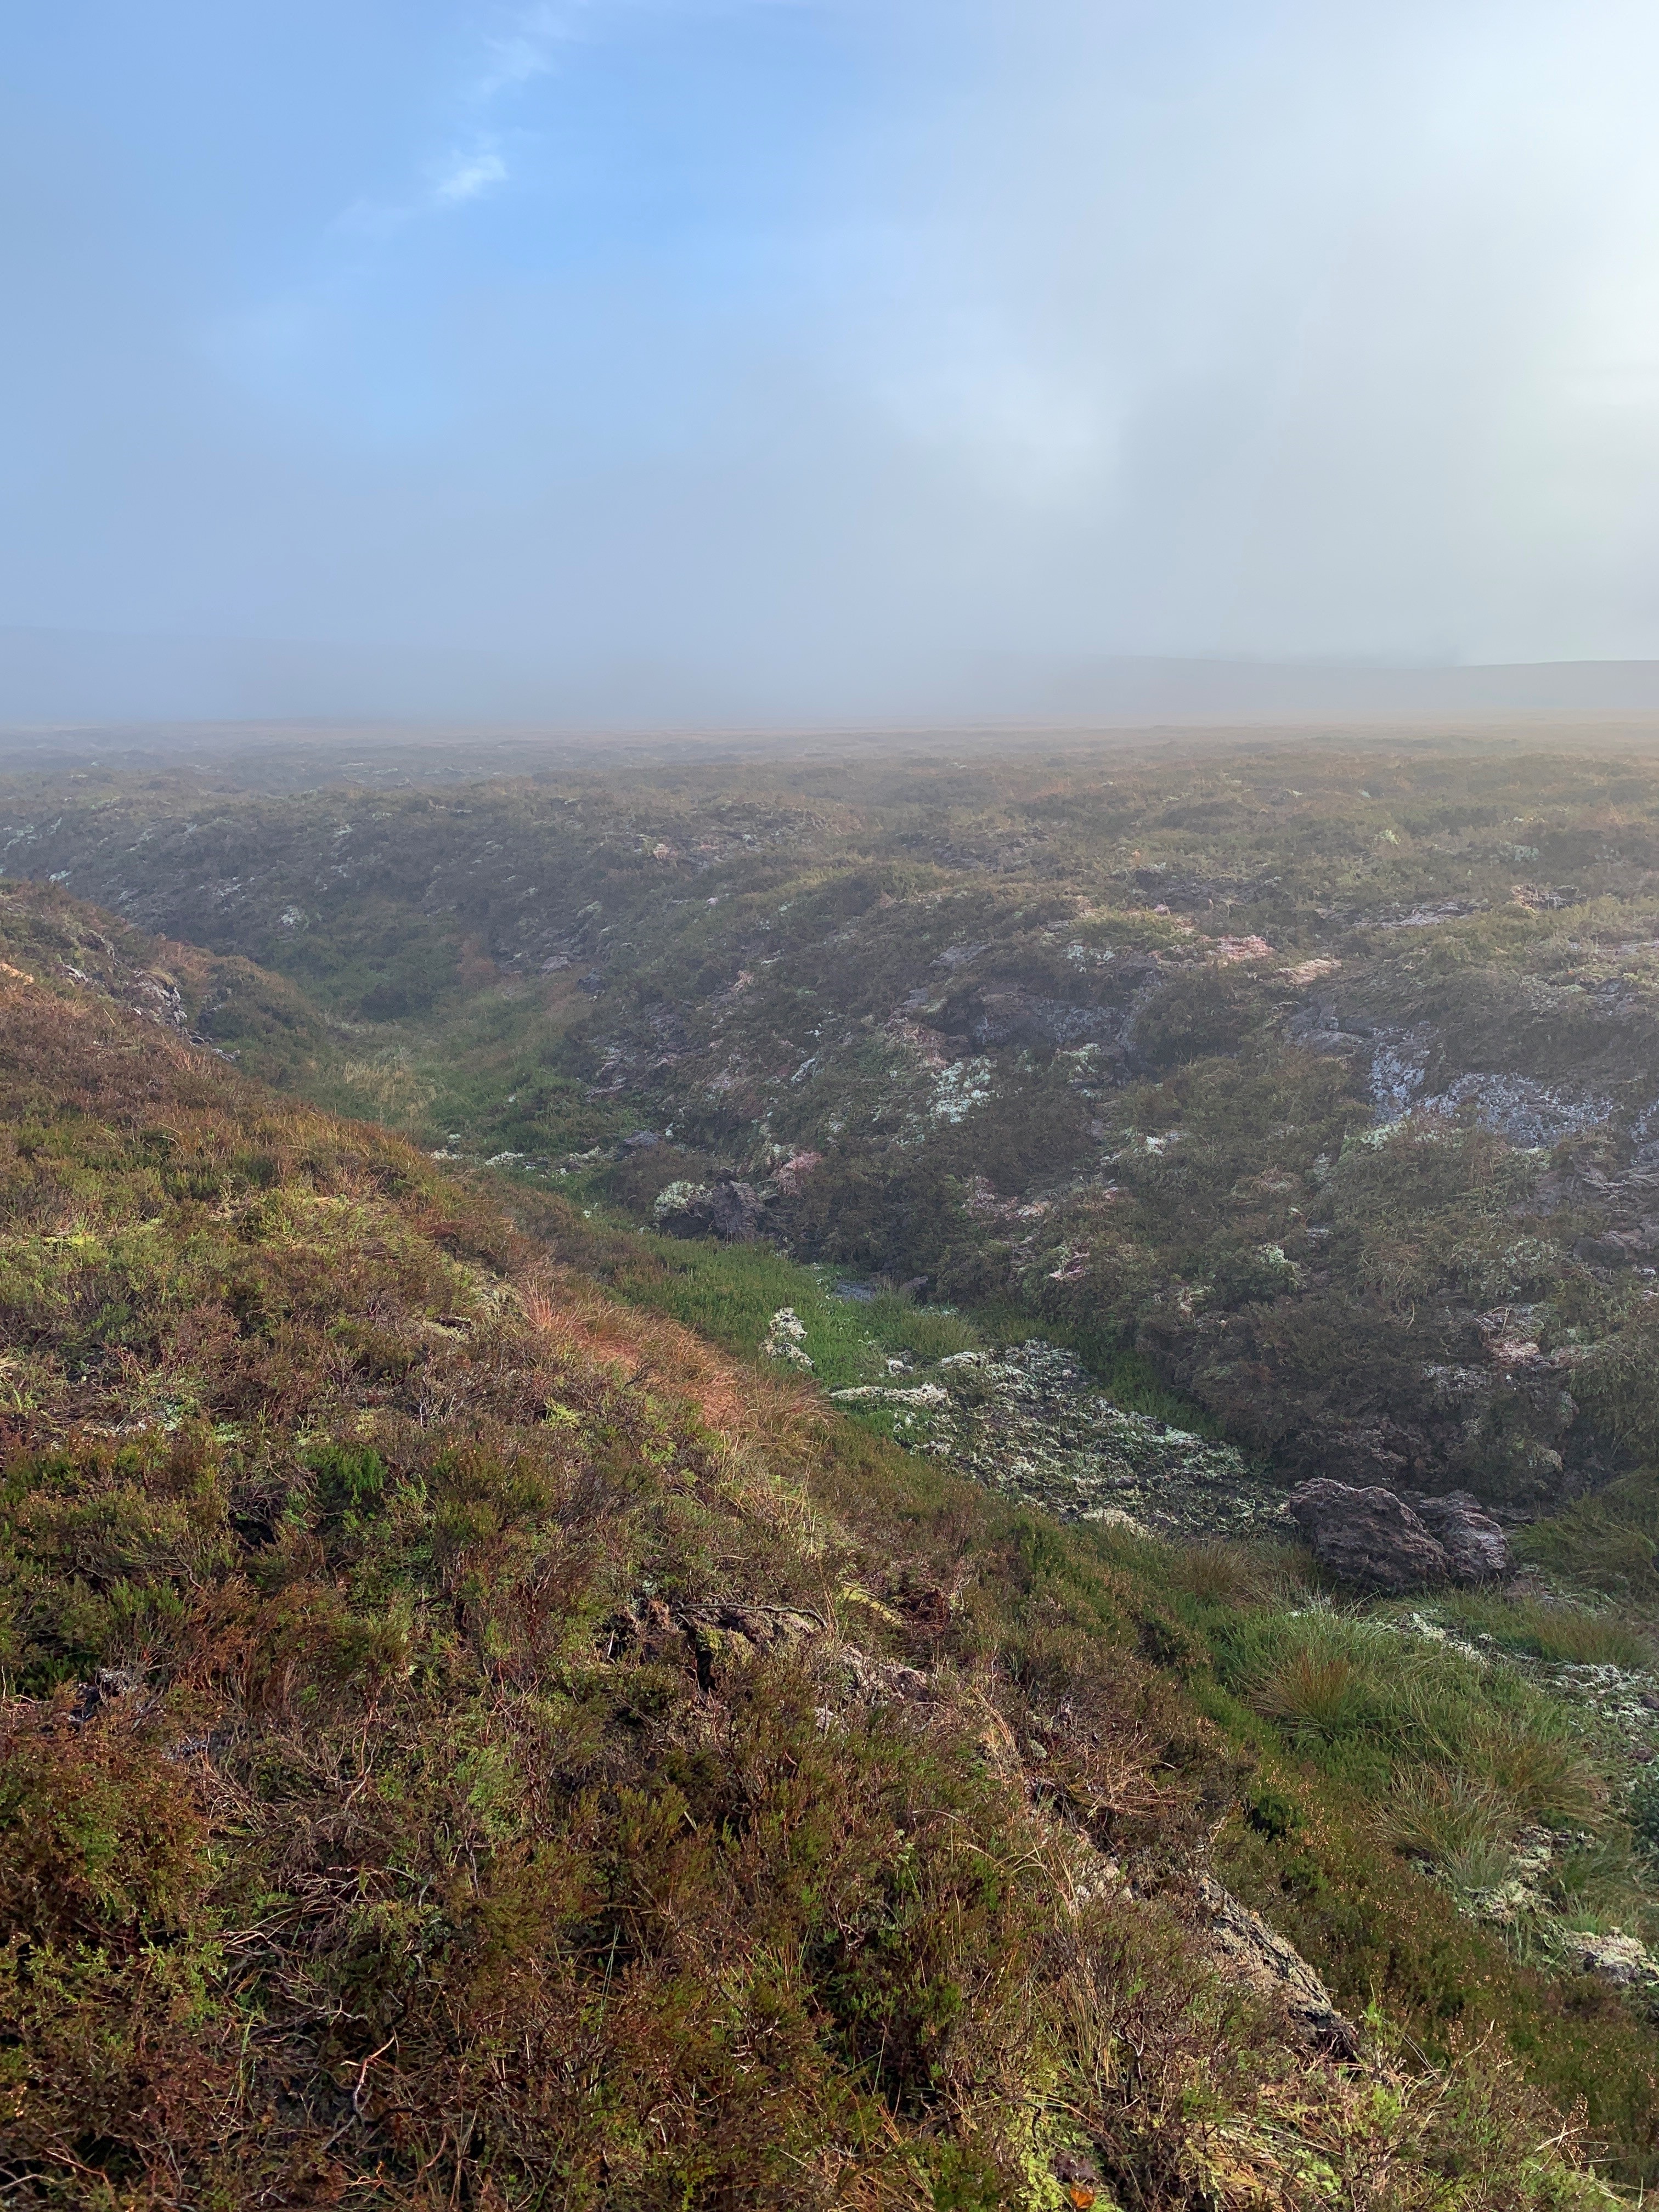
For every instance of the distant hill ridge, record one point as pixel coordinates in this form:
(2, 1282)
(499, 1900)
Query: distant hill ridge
(55, 676)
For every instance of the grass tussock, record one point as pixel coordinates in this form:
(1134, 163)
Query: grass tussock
(1237, 1576)
(1376, 1709)
(1607, 1543)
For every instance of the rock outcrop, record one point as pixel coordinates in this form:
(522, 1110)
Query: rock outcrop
(1368, 1537)
(1377, 1540)
(1623, 1960)
(729, 1210)
(1476, 1548)
(1249, 1951)
(718, 1634)
(786, 1340)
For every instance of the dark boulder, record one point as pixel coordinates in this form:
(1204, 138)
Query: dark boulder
(734, 1210)
(730, 1210)
(1476, 1548)
(1368, 1537)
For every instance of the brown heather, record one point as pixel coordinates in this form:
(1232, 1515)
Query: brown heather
(466, 1743)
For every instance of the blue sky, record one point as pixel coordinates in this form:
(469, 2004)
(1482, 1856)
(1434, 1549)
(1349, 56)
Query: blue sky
(798, 358)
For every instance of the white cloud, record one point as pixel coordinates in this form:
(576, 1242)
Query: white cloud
(1134, 330)
(525, 51)
(469, 176)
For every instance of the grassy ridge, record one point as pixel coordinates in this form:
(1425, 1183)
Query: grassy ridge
(467, 1742)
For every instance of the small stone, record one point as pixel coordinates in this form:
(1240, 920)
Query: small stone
(1624, 1960)
(786, 1340)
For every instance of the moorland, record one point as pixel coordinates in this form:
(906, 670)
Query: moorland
(647, 1406)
